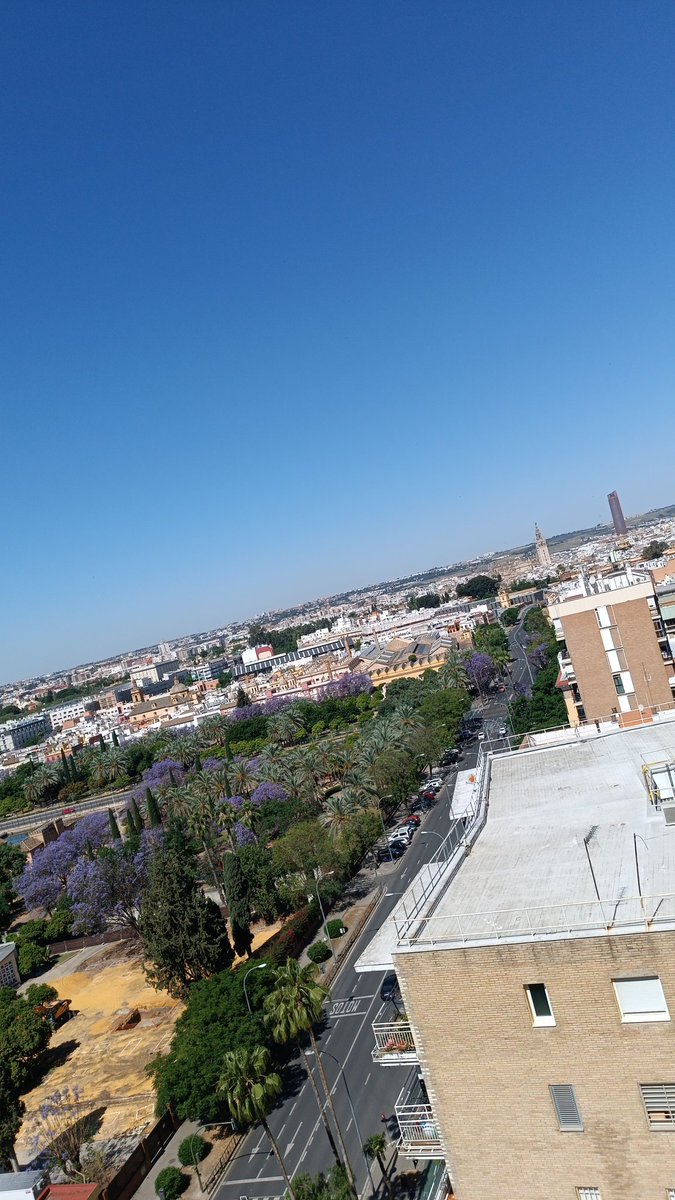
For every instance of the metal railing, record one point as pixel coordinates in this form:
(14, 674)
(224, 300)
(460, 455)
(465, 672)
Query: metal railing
(394, 1042)
(624, 914)
(415, 1119)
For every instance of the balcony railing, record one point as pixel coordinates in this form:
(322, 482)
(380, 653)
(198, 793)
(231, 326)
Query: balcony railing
(394, 1043)
(419, 1136)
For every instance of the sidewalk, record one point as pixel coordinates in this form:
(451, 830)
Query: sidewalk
(168, 1158)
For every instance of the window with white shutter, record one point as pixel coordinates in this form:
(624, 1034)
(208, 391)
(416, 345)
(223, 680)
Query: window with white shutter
(659, 1102)
(641, 999)
(589, 1193)
(566, 1107)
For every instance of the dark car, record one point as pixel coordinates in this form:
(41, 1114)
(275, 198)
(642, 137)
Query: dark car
(390, 990)
(384, 854)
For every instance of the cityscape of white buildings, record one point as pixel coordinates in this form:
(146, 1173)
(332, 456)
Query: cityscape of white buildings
(134, 691)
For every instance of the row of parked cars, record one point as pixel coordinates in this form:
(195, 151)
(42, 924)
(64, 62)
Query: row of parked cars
(399, 839)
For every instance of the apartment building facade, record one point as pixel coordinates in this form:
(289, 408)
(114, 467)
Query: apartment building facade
(615, 658)
(535, 956)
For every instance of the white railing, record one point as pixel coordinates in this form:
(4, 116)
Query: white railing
(593, 918)
(394, 1042)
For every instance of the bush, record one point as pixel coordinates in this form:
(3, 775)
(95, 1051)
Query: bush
(334, 928)
(293, 936)
(31, 958)
(172, 1182)
(192, 1150)
(319, 952)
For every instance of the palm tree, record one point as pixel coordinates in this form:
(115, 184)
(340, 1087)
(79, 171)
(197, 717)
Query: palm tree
(216, 731)
(185, 750)
(243, 779)
(453, 672)
(337, 814)
(376, 1147)
(294, 1007)
(285, 726)
(193, 805)
(248, 816)
(227, 818)
(250, 1089)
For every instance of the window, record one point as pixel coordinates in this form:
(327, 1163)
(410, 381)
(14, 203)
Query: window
(588, 1193)
(618, 684)
(566, 1107)
(670, 1193)
(540, 1005)
(659, 1102)
(641, 999)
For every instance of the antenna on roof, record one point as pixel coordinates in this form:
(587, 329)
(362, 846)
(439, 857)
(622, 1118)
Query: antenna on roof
(589, 835)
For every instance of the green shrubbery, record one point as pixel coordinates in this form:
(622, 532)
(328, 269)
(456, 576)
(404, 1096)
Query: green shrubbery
(319, 952)
(192, 1150)
(171, 1183)
(334, 928)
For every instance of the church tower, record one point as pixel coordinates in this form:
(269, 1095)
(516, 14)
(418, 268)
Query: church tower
(543, 552)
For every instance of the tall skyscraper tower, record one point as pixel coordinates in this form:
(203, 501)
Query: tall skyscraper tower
(543, 552)
(620, 527)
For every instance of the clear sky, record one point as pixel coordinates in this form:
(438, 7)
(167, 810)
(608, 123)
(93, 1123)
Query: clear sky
(298, 296)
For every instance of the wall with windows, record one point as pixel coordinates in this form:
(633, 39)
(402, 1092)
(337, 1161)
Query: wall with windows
(550, 1066)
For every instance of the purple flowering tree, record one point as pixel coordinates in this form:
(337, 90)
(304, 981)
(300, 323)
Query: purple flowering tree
(481, 671)
(44, 880)
(268, 791)
(108, 889)
(158, 778)
(245, 713)
(538, 656)
(351, 684)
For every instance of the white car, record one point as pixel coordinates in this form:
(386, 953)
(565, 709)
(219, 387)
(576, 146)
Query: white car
(403, 833)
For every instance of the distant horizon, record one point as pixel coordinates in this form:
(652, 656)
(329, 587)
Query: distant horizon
(299, 294)
(138, 649)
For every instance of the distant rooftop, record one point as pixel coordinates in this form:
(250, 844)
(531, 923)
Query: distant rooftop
(543, 812)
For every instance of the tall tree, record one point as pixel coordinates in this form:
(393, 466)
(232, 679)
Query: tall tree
(154, 815)
(238, 906)
(138, 819)
(11, 1115)
(376, 1147)
(184, 936)
(294, 1007)
(114, 827)
(250, 1088)
(285, 1010)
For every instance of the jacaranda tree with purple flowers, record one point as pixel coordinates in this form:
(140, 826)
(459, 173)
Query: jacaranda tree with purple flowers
(108, 890)
(481, 671)
(44, 880)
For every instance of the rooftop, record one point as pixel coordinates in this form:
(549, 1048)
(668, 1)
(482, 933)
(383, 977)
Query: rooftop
(536, 817)
(6, 950)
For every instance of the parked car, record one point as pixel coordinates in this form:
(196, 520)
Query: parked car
(403, 831)
(390, 990)
(393, 850)
(503, 731)
(413, 820)
(400, 843)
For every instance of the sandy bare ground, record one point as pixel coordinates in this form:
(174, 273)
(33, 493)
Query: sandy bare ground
(107, 1064)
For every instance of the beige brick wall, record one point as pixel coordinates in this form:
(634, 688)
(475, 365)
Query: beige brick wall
(488, 1070)
(643, 656)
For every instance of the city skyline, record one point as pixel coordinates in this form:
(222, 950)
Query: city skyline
(197, 629)
(298, 298)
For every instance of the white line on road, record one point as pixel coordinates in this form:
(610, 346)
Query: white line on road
(263, 1179)
(365, 1082)
(293, 1109)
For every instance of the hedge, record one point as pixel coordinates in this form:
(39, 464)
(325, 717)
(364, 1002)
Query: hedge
(171, 1182)
(319, 952)
(192, 1150)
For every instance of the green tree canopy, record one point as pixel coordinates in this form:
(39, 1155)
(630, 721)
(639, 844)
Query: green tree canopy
(184, 936)
(479, 587)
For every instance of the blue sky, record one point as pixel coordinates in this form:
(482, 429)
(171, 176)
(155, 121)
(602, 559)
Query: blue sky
(300, 296)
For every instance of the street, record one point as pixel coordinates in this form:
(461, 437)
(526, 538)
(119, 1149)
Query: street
(347, 1040)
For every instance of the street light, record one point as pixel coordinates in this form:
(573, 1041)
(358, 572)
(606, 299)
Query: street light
(318, 874)
(197, 1132)
(327, 1054)
(257, 967)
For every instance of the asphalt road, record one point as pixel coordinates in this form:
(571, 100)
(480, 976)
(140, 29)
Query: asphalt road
(347, 1035)
(520, 669)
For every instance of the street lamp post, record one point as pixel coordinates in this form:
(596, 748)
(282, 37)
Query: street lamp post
(210, 1125)
(327, 1054)
(257, 967)
(318, 874)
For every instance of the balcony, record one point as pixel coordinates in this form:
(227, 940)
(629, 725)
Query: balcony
(394, 1044)
(419, 1136)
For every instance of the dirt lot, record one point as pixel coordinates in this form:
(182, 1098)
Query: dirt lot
(107, 989)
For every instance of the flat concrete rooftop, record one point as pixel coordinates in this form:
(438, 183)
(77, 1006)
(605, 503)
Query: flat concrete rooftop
(528, 873)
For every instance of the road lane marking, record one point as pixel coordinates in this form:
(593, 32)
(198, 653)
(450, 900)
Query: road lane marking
(261, 1179)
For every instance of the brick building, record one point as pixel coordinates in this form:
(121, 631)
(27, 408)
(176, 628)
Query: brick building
(536, 960)
(615, 657)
